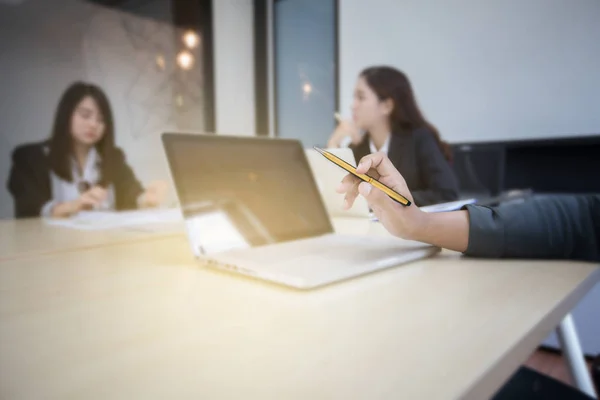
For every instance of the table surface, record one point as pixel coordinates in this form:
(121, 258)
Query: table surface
(33, 237)
(143, 320)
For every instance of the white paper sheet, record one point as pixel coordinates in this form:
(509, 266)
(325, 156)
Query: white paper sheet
(102, 220)
(450, 206)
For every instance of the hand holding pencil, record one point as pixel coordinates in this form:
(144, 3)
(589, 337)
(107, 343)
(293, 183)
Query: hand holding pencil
(364, 177)
(400, 220)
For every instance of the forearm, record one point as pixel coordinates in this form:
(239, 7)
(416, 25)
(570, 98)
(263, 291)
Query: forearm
(552, 227)
(555, 227)
(449, 230)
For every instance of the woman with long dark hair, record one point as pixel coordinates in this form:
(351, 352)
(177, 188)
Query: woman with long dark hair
(386, 118)
(79, 167)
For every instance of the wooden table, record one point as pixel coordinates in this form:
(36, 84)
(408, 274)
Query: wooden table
(33, 237)
(143, 320)
(26, 238)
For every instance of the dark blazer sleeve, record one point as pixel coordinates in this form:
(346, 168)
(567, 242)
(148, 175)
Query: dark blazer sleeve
(549, 227)
(29, 180)
(127, 187)
(435, 172)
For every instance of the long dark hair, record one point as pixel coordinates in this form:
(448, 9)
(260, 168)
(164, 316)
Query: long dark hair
(390, 83)
(61, 139)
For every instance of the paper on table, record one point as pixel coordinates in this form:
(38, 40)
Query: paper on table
(101, 220)
(450, 206)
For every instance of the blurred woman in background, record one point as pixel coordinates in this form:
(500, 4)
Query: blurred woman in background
(386, 118)
(79, 167)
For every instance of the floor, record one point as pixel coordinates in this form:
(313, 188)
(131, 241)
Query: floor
(550, 363)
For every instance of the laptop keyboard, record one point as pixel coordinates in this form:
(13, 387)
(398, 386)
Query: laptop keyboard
(316, 261)
(330, 247)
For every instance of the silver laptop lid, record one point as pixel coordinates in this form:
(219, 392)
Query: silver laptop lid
(242, 192)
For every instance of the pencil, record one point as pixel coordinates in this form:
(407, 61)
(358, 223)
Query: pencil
(348, 167)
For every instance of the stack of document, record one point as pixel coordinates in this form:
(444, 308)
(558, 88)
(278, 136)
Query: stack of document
(102, 220)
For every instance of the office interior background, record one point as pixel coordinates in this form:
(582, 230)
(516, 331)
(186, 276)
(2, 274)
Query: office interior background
(513, 85)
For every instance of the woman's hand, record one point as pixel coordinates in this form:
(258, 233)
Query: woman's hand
(399, 220)
(154, 194)
(344, 129)
(89, 200)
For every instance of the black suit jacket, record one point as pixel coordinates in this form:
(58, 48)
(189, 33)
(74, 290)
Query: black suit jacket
(419, 159)
(29, 181)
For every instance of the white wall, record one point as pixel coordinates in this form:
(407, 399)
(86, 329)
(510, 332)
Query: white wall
(44, 48)
(233, 35)
(483, 70)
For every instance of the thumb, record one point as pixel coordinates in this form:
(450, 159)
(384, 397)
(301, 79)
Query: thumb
(376, 198)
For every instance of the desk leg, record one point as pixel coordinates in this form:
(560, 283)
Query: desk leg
(569, 343)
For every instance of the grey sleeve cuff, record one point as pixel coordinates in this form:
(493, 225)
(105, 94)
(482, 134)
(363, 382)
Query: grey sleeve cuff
(486, 232)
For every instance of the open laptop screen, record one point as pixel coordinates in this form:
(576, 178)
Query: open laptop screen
(244, 192)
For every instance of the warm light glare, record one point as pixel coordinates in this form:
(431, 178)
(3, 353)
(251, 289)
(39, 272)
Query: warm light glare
(179, 100)
(214, 232)
(160, 62)
(307, 88)
(185, 60)
(191, 39)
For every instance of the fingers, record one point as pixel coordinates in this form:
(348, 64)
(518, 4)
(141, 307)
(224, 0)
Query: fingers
(379, 162)
(90, 200)
(154, 194)
(344, 128)
(377, 166)
(346, 183)
(158, 186)
(349, 186)
(149, 199)
(93, 198)
(157, 190)
(378, 201)
(98, 193)
(86, 202)
(356, 137)
(336, 137)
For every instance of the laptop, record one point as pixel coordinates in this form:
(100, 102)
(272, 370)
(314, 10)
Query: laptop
(328, 176)
(251, 207)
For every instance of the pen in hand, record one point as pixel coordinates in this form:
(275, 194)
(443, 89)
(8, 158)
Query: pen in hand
(348, 167)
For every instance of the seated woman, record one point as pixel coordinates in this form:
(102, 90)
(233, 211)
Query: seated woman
(79, 167)
(385, 109)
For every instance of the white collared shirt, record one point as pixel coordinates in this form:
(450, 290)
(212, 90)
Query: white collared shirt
(63, 191)
(385, 148)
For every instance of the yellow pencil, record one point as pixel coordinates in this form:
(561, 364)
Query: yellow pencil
(348, 167)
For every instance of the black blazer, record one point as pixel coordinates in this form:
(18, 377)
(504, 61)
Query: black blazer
(29, 181)
(419, 159)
